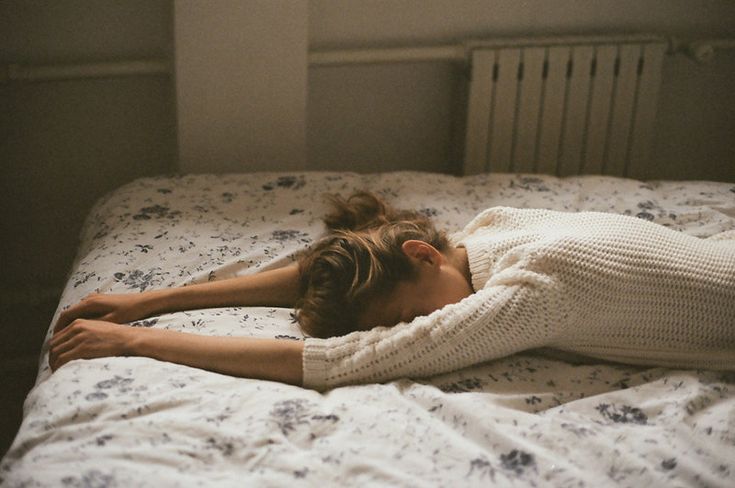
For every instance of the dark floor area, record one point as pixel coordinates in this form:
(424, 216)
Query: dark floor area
(22, 328)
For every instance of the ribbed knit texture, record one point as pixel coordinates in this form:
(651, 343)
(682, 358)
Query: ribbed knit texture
(602, 285)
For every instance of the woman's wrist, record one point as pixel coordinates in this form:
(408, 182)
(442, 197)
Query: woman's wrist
(133, 343)
(156, 302)
(270, 359)
(278, 287)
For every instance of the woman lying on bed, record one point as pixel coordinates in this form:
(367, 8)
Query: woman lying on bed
(603, 285)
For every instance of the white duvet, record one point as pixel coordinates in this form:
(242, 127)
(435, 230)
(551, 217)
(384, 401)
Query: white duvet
(526, 420)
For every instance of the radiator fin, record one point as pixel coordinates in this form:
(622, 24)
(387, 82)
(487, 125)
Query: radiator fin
(601, 90)
(529, 107)
(622, 109)
(552, 109)
(504, 108)
(649, 82)
(575, 113)
(562, 109)
(478, 111)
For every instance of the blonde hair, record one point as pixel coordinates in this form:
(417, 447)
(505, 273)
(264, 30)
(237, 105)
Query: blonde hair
(360, 260)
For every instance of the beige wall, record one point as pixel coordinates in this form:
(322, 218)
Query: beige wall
(405, 116)
(64, 144)
(241, 84)
(695, 124)
(367, 22)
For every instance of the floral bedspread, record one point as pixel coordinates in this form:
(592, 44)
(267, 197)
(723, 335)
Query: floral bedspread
(532, 419)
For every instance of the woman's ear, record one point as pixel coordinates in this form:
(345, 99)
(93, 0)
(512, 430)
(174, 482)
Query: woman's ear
(422, 251)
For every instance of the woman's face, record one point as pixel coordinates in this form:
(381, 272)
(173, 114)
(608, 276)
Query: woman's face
(439, 281)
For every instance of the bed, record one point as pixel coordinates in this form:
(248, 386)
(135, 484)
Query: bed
(532, 419)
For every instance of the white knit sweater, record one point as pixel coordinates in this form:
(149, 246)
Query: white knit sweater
(602, 285)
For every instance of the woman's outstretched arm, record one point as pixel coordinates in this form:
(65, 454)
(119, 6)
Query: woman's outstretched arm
(277, 288)
(266, 359)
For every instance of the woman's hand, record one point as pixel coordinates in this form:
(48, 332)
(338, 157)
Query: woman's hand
(277, 287)
(87, 339)
(268, 359)
(119, 309)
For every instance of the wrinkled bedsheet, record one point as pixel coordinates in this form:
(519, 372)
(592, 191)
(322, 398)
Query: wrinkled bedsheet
(532, 419)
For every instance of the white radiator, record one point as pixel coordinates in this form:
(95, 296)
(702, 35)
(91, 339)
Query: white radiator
(562, 109)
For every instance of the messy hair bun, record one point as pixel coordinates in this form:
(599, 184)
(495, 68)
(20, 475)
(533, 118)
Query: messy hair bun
(360, 260)
(364, 210)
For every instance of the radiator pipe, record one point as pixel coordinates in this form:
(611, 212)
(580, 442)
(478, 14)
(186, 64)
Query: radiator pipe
(702, 51)
(31, 73)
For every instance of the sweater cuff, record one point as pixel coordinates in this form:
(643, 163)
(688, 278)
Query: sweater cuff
(479, 262)
(315, 364)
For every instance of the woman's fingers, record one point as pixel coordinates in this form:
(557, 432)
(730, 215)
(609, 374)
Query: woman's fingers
(62, 343)
(90, 307)
(64, 358)
(109, 308)
(108, 317)
(71, 343)
(74, 328)
(65, 318)
(63, 340)
(70, 314)
(61, 349)
(89, 339)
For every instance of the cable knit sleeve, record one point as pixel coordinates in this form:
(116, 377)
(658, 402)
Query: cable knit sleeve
(607, 286)
(496, 321)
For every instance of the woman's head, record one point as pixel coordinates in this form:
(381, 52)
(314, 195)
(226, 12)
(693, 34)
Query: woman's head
(352, 278)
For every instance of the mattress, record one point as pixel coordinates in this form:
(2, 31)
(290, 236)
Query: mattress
(531, 419)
